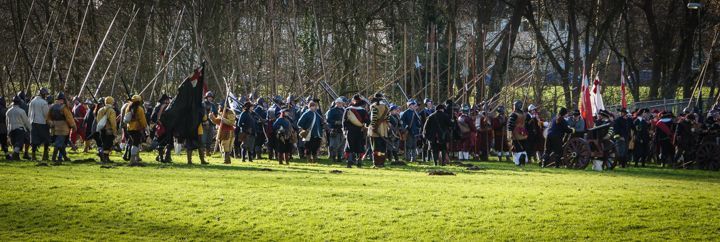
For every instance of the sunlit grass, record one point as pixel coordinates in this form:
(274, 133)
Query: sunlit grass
(267, 201)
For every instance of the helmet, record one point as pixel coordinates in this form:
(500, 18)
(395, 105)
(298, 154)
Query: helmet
(109, 100)
(136, 98)
(277, 100)
(289, 98)
(427, 100)
(411, 102)
(500, 109)
(43, 92)
(209, 94)
(340, 100)
(531, 107)
(60, 96)
(260, 101)
(518, 105)
(17, 99)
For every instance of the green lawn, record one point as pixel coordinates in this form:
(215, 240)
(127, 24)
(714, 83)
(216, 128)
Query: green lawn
(246, 201)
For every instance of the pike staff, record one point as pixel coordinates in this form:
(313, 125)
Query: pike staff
(92, 64)
(72, 57)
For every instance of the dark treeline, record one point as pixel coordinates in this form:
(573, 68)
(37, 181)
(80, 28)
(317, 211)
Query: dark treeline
(469, 50)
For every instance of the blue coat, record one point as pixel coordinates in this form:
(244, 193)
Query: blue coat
(559, 127)
(247, 123)
(306, 121)
(411, 122)
(334, 118)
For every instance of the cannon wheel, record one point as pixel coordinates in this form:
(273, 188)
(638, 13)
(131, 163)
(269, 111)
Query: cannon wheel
(706, 156)
(576, 154)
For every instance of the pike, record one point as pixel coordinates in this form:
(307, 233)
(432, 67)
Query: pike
(77, 41)
(19, 44)
(142, 47)
(118, 49)
(92, 64)
(154, 79)
(47, 48)
(33, 75)
(472, 83)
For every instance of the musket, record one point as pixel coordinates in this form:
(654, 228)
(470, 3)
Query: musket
(92, 64)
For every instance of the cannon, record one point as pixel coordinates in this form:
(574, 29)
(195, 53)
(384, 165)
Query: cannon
(578, 152)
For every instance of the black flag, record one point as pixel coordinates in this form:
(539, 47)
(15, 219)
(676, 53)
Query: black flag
(184, 114)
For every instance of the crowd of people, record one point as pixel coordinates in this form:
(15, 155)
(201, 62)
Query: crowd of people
(351, 131)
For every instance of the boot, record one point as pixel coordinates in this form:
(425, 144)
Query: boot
(243, 152)
(159, 157)
(251, 155)
(202, 156)
(189, 157)
(32, 156)
(54, 156)
(45, 154)
(226, 156)
(168, 158)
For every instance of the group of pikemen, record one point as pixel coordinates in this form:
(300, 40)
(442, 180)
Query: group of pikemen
(352, 130)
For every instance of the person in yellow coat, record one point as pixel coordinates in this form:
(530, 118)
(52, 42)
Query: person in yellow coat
(226, 131)
(136, 123)
(61, 123)
(107, 129)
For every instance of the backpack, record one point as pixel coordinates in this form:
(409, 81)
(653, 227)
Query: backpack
(128, 116)
(56, 113)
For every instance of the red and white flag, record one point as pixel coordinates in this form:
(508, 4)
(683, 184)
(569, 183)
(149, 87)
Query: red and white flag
(586, 106)
(623, 99)
(596, 100)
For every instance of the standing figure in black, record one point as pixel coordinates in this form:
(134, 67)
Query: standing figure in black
(436, 134)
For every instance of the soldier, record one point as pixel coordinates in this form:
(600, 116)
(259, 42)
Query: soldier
(427, 111)
(466, 125)
(354, 120)
(134, 117)
(336, 137)
(208, 126)
(517, 134)
(483, 125)
(665, 139)
(436, 134)
(311, 130)
(685, 137)
(78, 111)
(272, 114)
(622, 126)
(61, 123)
(554, 142)
(284, 134)
(17, 125)
(40, 132)
(395, 133)
(534, 126)
(379, 126)
(412, 125)
(499, 124)
(641, 136)
(164, 139)
(106, 129)
(247, 130)
(578, 123)
(226, 126)
(260, 116)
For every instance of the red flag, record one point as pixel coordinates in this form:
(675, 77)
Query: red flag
(623, 100)
(586, 109)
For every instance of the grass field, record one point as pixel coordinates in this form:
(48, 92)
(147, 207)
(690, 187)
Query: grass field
(265, 201)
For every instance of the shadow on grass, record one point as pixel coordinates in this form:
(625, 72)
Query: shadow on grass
(321, 166)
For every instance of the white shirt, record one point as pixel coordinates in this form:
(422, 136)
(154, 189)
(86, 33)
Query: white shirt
(38, 110)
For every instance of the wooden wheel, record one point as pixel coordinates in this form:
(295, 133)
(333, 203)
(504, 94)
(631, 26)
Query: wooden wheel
(576, 154)
(706, 156)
